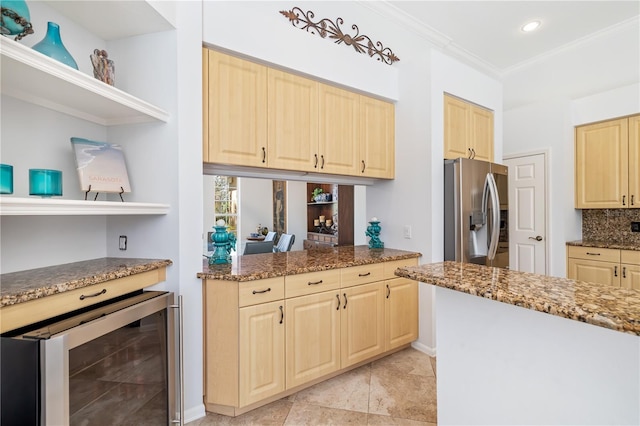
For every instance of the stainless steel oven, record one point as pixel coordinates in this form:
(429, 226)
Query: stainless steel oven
(117, 363)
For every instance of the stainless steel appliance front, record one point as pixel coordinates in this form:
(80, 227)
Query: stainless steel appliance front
(96, 363)
(476, 212)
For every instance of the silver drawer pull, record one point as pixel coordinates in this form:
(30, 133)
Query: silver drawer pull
(82, 296)
(262, 291)
(593, 254)
(314, 282)
(364, 275)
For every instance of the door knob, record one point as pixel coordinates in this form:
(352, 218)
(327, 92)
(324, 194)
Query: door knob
(537, 238)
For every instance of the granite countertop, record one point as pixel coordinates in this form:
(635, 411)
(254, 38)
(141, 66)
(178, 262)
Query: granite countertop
(269, 265)
(23, 286)
(604, 244)
(604, 306)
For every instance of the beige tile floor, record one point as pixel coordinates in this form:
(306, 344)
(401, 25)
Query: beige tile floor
(399, 389)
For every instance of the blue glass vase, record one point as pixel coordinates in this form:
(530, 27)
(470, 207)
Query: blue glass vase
(15, 19)
(51, 45)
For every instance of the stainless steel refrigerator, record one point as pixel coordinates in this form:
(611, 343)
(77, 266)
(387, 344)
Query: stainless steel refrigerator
(476, 212)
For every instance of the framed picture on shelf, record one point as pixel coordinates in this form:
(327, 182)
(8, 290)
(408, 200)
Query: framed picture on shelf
(101, 166)
(279, 206)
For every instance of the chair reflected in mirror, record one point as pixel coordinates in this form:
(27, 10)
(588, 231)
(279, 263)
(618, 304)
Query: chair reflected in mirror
(255, 247)
(285, 243)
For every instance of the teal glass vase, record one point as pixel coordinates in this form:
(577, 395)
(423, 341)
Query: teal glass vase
(51, 45)
(15, 18)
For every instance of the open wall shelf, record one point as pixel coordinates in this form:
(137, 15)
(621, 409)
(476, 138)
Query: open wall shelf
(33, 77)
(15, 206)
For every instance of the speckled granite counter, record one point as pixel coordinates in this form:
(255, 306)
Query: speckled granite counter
(604, 244)
(23, 286)
(261, 266)
(609, 307)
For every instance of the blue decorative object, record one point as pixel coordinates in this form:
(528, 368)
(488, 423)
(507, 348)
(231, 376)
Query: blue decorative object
(15, 19)
(373, 232)
(6, 179)
(51, 45)
(224, 242)
(45, 183)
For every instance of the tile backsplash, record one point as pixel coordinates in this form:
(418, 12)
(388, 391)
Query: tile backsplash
(610, 225)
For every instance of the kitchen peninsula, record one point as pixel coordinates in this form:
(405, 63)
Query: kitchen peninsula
(276, 323)
(518, 348)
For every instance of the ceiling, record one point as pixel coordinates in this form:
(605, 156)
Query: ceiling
(488, 32)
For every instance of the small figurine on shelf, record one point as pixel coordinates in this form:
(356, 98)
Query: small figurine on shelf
(373, 232)
(103, 68)
(224, 242)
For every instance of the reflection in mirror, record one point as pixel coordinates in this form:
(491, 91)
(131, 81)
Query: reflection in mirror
(248, 205)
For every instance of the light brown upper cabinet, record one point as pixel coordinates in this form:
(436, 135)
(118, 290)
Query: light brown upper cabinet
(468, 130)
(235, 110)
(607, 156)
(338, 145)
(259, 116)
(377, 143)
(293, 121)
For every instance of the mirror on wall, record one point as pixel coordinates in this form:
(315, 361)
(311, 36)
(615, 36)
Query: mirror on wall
(249, 205)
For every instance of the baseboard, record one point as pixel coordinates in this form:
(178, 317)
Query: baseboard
(424, 348)
(194, 413)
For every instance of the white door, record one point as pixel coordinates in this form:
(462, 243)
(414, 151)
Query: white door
(527, 213)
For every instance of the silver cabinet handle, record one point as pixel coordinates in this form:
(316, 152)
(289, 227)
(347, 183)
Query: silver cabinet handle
(593, 254)
(623, 199)
(615, 271)
(537, 238)
(632, 200)
(624, 272)
(314, 282)
(180, 372)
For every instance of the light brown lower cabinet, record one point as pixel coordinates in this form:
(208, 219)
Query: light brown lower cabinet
(266, 339)
(619, 268)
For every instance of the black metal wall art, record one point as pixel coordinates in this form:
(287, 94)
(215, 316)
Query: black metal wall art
(327, 28)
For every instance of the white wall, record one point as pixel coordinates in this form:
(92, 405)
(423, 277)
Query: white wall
(549, 125)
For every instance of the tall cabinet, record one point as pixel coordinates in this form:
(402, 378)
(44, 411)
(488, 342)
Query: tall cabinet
(45, 103)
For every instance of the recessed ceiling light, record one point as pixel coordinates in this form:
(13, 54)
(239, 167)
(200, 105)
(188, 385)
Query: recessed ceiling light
(530, 26)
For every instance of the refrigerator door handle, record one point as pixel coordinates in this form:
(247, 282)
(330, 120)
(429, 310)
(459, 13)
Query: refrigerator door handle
(490, 194)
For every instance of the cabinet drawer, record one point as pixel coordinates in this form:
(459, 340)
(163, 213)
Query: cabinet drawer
(312, 282)
(260, 291)
(593, 253)
(357, 275)
(390, 267)
(630, 256)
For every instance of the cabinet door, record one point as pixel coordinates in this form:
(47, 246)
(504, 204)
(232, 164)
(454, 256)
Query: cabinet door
(261, 350)
(312, 337)
(377, 143)
(601, 165)
(400, 312)
(361, 323)
(630, 276)
(339, 131)
(481, 128)
(235, 111)
(634, 162)
(293, 122)
(456, 129)
(592, 271)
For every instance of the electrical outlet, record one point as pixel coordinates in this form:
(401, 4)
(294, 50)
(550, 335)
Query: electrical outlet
(635, 226)
(407, 231)
(122, 243)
